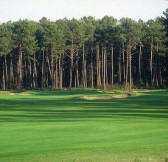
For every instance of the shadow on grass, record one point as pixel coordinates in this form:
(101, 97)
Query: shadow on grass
(151, 105)
(62, 92)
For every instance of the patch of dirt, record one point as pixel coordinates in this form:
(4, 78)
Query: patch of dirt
(120, 96)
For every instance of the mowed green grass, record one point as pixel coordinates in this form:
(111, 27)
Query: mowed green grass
(49, 126)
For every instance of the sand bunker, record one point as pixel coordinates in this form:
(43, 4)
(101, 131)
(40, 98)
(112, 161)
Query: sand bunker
(120, 96)
(12, 94)
(22, 94)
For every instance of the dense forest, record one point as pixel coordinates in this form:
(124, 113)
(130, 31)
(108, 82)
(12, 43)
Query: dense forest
(103, 53)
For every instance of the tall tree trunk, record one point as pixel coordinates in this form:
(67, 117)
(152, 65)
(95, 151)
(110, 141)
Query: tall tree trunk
(156, 65)
(11, 79)
(42, 71)
(151, 63)
(19, 85)
(160, 72)
(52, 69)
(30, 74)
(139, 63)
(123, 58)
(60, 70)
(104, 68)
(84, 73)
(98, 64)
(127, 65)
(112, 66)
(50, 72)
(6, 73)
(35, 73)
(77, 71)
(26, 83)
(119, 67)
(92, 81)
(83, 65)
(56, 74)
(130, 66)
(3, 77)
(71, 65)
(100, 71)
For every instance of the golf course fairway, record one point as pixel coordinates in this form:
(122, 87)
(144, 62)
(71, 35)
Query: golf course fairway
(84, 126)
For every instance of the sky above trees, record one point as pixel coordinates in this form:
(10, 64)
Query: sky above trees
(12, 10)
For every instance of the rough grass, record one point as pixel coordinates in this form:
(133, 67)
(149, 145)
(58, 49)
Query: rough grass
(46, 126)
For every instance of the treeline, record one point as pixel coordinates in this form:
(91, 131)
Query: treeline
(84, 53)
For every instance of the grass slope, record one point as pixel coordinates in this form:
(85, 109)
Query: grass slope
(61, 126)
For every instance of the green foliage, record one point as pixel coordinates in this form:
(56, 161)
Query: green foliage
(157, 33)
(88, 26)
(50, 36)
(6, 42)
(24, 35)
(130, 31)
(106, 31)
(164, 19)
